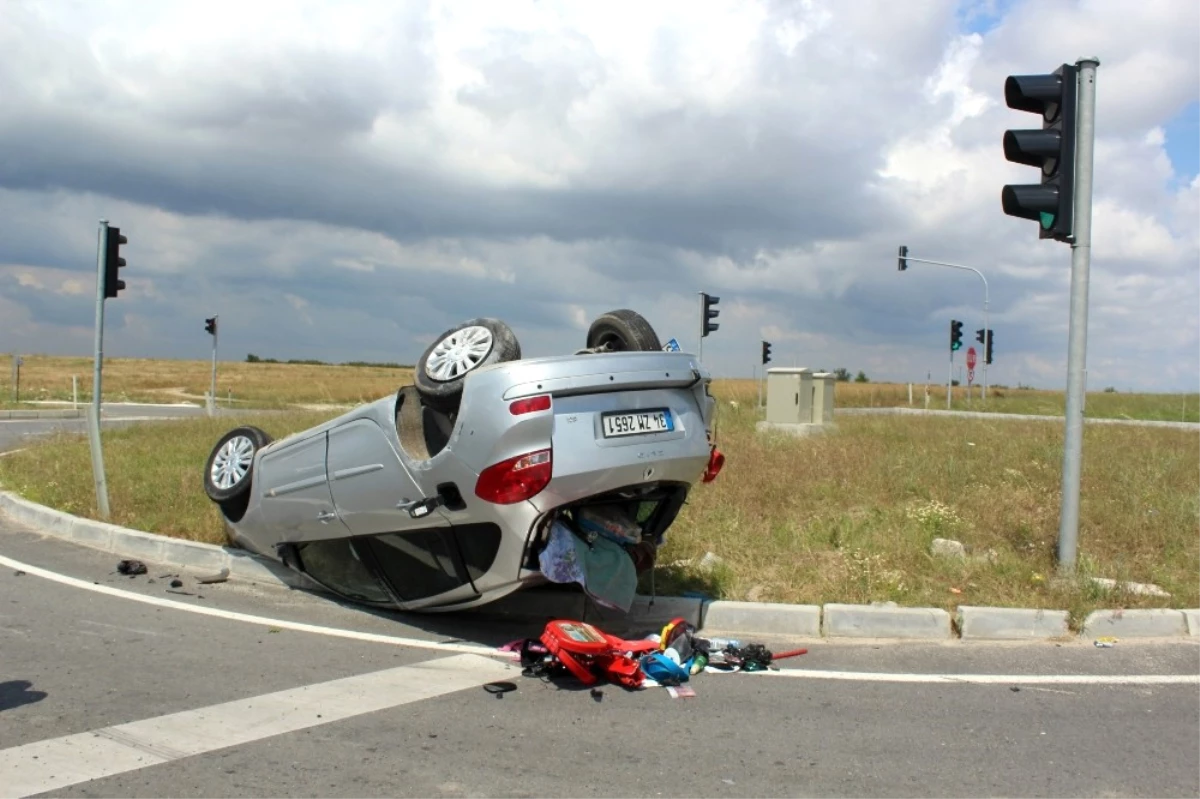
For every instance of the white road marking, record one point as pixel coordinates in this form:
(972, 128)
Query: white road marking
(58, 762)
(282, 624)
(992, 679)
(816, 674)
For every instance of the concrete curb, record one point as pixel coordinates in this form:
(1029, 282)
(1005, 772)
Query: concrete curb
(739, 619)
(1140, 623)
(71, 414)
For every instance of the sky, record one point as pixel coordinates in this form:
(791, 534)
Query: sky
(345, 181)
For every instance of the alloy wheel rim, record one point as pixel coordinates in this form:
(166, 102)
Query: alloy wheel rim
(459, 353)
(232, 462)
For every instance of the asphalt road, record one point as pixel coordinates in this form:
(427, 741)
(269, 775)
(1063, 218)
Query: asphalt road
(15, 433)
(222, 691)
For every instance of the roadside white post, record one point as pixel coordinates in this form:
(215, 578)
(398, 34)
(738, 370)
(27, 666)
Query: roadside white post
(75, 392)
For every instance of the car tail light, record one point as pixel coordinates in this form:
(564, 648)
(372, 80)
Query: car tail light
(530, 405)
(515, 479)
(715, 462)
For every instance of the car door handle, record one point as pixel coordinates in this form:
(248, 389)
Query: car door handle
(326, 515)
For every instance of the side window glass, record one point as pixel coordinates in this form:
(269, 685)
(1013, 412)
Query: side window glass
(334, 564)
(419, 564)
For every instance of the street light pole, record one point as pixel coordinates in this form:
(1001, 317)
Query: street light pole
(987, 334)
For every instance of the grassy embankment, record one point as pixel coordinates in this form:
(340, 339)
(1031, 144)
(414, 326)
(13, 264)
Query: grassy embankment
(847, 516)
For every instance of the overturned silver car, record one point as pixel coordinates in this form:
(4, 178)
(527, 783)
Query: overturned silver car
(446, 494)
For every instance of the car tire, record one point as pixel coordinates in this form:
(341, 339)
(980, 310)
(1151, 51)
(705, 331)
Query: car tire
(461, 350)
(230, 466)
(622, 330)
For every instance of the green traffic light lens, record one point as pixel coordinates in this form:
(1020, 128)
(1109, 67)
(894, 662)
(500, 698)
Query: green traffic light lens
(1047, 220)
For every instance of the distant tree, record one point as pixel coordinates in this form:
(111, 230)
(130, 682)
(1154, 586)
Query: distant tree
(862, 377)
(842, 375)
(953, 382)
(252, 358)
(1110, 390)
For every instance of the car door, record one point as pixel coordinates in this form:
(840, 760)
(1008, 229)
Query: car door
(296, 500)
(370, 486)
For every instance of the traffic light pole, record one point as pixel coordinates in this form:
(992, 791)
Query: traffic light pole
(985, 310)
(1081, 252)
(212, 392)
(94, 414)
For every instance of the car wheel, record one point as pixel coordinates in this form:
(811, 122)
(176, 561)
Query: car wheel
(445, 365)
(228, 472)
(622, 330)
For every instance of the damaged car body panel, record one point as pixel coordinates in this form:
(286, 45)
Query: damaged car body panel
(438, 505)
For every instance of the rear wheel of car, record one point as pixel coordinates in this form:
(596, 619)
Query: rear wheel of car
(472, 345)
(622, 330)
(229, 469)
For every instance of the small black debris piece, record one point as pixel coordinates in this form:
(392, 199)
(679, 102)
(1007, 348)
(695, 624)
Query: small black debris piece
(131, 567)
(1014, 689)
(499, 688)
(598, 694)
(18, 573)
(181, 593)
(177, 583)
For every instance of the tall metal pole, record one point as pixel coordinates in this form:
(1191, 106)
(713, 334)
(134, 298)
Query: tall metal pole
(98, 355)
(212, 393)
(950, 380)
(1081, 252)
(700, 341)
(985, 303)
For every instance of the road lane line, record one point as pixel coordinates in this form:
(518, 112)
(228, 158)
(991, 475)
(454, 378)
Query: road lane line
(818, 674)
(58, 762)
(991, 679)
(283, 624)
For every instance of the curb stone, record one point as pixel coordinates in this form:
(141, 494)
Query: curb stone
(72, 414)
(1011, 623)
(886, 620)
(1139, 623)
(538, 605)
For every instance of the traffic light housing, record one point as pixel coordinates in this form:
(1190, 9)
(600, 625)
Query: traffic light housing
(902, 262)
(113, 262)
(766, 355)
(1051, 202)
(210, 326)
(987, 348)
(979, 336)
(955, 335)
(708, 313)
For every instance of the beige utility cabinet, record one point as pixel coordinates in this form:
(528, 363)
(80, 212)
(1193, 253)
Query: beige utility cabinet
(789, 395)
(822, 402)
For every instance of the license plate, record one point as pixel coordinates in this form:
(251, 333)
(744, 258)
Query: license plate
(637, 423)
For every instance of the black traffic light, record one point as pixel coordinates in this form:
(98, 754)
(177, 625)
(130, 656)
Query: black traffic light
(708, 314)
(1051, 202)
(955, 335)
(766, 352)
(979, 336)
(210, 326)
(987, 348)
(902, 261)
(113, 261)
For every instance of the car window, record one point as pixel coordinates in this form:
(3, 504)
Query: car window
(479, 544)
(419, 564)
(335, 565)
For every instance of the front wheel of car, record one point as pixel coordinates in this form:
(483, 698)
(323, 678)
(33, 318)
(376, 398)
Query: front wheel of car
(472, 345)
(229, 469)
(622, 330)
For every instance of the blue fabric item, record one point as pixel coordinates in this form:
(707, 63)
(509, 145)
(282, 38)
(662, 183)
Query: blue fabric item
(662, 669)
(604, 569)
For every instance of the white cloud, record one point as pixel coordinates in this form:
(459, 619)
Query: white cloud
(393, 168)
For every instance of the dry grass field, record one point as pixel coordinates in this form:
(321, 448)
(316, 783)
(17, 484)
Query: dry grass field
(282, 385)
(847, 516)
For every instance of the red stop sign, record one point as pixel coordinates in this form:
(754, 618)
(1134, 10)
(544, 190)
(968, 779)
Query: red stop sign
(971, 358)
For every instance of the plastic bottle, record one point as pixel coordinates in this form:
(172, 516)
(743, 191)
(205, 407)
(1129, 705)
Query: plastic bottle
(718, 644)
